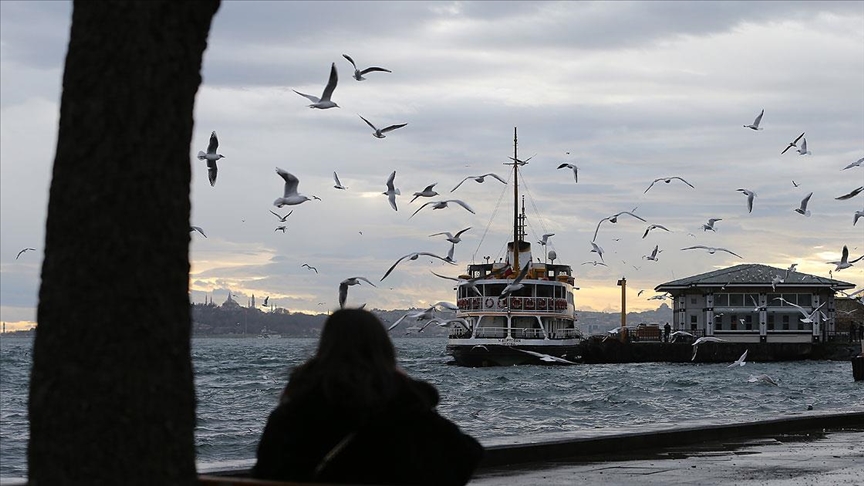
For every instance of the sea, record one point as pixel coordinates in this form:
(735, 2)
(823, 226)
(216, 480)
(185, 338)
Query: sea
(238, 382)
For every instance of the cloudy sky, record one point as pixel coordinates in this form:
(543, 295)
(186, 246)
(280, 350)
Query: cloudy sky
(627, 91)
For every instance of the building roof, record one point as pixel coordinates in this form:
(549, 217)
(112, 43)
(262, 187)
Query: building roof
(752, 274)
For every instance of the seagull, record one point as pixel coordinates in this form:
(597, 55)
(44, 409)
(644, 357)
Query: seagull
(640, 292)
(545, 239)
(858, 214)
(392, 191)
(808, 316)
(379, 132)
(596, 248)
(803, 150)
(211, 157)
(755, 125)
(654, 226)
(30, 249)
(789, 270)
(595, 263)
(198, 229)
(428, 192)
(774, 281)
(343, 288)
(338, 184)
(857, 163)
(358, 74)
(711, 249)
(460, 281)
(266, 299)
(614, 219)
(547, 358)
(310, 267)
(575, 170)
(442, 205)
(674, 335)
(667, 180)
(416, 255)
(844, 260)
(291, 197)
(794, 183)
(704, 339)
(852, 194)
(802, 209)
(710, 224)
(450, 237)
(663, 296)
(281, 218)
(516, 284)
(479, 179)
(750, 195)
(324, 102)
(763, 378)
(653, 255)
(792, 144)
(281, 228)
(740, 361)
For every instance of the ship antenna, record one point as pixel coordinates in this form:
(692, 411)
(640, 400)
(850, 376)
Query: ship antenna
(516, 233)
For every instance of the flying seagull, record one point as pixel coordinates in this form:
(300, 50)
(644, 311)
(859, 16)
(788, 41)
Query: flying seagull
(614, 219)
(595, 263)
(358, 74)
(667, 180)
(802, 209)
(281, 218)
(676, 334)
(479, 179)
(266, 300)
(428, 192)
(211, 157)
(26, 250)
(803, 150)
(596, 249)
(575, 170)
(844, 260)
(310, 267)
(198, 229)
(653, 255)
(415, 256)
(857, 163)
(516, 284)
(808, 316)
(789, 270)
(547, 358)
(762, 378)
(336, 180)
(711, 249)
(544, 240)
(755, 125)
(653, 226)
(379, 132)
(442, 205)
(343, 288)
(750, 195)
(858, 214)
(459, 281)
(852, 194)
(710, 224)
(451, 237)
(281, 228)
(392, 191)
(740, 361)
(792, 144)
(290, 197)
(704, 339)
(324, 102)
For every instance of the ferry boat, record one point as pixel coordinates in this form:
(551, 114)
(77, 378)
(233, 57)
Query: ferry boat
(535, 324)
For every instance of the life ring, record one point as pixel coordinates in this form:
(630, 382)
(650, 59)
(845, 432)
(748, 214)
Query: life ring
(490, 303)
(541, 304)
(529, 303)
(516, 302)
(560, 304)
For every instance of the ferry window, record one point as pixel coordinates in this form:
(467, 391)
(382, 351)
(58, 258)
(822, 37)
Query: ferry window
(736, 300)
(721, 300)
(493, 289)
(785, 322)
(770, 322)
(805, 300)
(544, 291)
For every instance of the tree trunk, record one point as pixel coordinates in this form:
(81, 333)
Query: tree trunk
(112, 397)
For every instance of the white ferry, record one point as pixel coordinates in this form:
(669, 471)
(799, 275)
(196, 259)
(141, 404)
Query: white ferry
(535, 324)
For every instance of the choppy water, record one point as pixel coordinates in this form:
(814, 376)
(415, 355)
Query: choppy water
(238, 382)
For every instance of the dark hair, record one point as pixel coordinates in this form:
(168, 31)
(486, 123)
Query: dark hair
(355, 363)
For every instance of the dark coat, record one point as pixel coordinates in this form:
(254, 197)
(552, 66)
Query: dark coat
(404, 442)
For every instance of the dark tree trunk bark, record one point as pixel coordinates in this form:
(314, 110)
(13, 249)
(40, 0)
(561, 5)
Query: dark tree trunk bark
(112, 397)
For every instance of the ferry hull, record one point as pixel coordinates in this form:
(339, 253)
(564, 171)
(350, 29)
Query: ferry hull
(478, 353)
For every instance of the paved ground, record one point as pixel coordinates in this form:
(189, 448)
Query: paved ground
(823, 459)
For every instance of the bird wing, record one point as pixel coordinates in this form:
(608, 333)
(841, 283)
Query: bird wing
(851, 194)
(443, 233)
(652, 185)
(214, 143)
(393, 326)
(803, 147)
(799, 138)
(429, 187)
(729, 251)
(313, 99)
(632, 214)
(366, 280)
(198, 229)
(462, 204)
(336, 179)
(805, 201)
(343, 294)
(390, 185)
(598, 227)
(758, 119)
(373, 68)
(392, 127)
(368, 123)
(682, 180)
(291, 182)
(346, 56)
(397, 263)
(857, 163)
(212, 170)
(331, 83)
(462, 231)
(697, 247)
(460, 183)
(844, 257)
(442, 276)
(418, 209)
(496, 176)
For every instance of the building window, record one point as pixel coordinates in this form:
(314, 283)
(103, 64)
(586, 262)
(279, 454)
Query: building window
(694, 322)
(805, 300)
(785, 321)
(771, 322)
(693, 300)
(721, 300)
(736, 300)
(733, 322)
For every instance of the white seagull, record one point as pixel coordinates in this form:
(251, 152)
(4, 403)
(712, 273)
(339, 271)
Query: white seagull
(596, 249)
(676, 334)
(803, 150)
(392, 191)
(516, 284)
(416, 255)
(198, 229)
(667, 180)
(852, 194)
(762, 378)
(755, 124)
(281, 218)
(654, 226)
(459, 281)
(844, 260)
(711, 249)
(710, 224)
(575, 170)
(802, 209)
(290, 197)
(789, 270)
(358, 74)
(211, 157)
(324, 101)
(26, 250)
(343, 288)
(594, 263)
(858, 214)
(750, 195)
(442, 205)
(792, 144)
(740, 361)
(451, 237)
(544, 240)
(653, 255)
(547, 358)
(808, 316)
(704, 339)
(614, 219)
(857, 163)
(379, 132)
(336, 180)
(479, 179)
(428, 192)
(310, 267)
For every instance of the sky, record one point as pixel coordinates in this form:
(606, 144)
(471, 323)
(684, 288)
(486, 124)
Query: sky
(627, 91)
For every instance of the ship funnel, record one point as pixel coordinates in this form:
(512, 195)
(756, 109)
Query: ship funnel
(524, 253)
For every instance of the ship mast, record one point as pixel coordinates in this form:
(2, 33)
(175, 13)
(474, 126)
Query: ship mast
(516, 267)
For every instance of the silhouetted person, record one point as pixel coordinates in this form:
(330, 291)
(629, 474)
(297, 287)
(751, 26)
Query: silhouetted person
(349, 415)
(666, 330)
